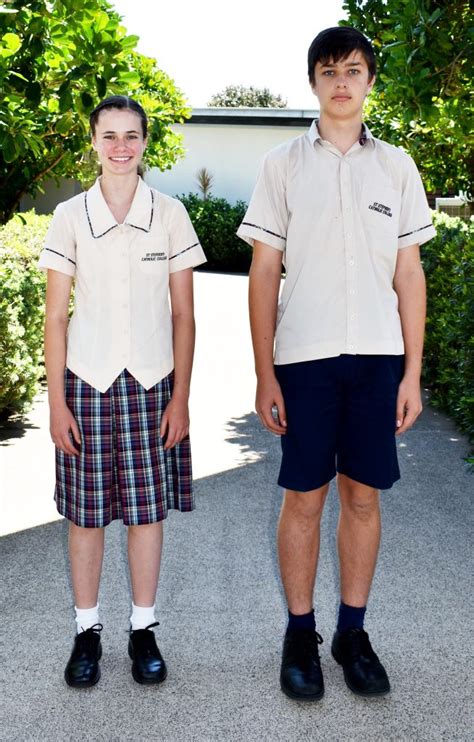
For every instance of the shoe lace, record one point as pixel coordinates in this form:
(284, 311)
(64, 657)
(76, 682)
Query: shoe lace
(360, 643)
(307, 642)
(86, 636)
(146, 638)
(150, 626)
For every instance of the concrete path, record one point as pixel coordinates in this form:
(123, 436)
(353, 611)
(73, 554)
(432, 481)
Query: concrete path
(220, 605)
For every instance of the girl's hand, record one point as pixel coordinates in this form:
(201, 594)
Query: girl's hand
(175, 422)
(62, 425)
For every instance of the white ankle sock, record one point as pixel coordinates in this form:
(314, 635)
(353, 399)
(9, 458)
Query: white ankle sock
(86, 617)
(142, 617)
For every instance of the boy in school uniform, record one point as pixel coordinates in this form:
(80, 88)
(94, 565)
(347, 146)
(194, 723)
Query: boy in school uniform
(345, 213)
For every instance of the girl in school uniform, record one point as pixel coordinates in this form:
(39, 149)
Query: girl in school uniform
(119, 377)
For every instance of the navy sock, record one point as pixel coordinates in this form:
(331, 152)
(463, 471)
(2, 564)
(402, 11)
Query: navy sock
(350, 617)
(298, 623)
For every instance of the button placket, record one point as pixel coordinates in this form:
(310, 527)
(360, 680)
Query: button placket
(349, 256)
(125, 318)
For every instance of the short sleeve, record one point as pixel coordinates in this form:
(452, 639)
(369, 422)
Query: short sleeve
(415, 226)
(266, 219)
(185, 249)
(59, 251)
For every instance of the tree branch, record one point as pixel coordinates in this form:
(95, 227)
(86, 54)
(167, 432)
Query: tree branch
(12, 208)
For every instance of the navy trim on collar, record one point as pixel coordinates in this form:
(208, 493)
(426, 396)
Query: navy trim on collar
(130, 224)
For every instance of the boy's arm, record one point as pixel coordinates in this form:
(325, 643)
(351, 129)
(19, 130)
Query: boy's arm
(264, 286)
(409, 284)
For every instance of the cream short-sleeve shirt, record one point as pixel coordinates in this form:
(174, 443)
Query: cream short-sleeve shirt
(339, 221)
(121, 313)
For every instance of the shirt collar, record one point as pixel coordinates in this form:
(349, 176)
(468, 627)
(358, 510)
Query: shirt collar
(100, 218)
(314, 135)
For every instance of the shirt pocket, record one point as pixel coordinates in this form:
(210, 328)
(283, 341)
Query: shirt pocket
(380, 208)
(153, 256)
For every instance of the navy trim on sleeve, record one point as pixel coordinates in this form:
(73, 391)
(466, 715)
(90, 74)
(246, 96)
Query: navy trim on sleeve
(249, 224)
(60, 255)
(185, 250)
(414, 231)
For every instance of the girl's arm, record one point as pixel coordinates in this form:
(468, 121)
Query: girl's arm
(62, 421)
(175, 420)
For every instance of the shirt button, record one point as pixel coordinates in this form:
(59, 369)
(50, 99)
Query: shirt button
(349, 235)
(351, 262)
(352, 292)
(353, 316)
(351, 347)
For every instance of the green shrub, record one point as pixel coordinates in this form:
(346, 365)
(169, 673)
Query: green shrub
(216, 222)
(22, 289)
(448, 260)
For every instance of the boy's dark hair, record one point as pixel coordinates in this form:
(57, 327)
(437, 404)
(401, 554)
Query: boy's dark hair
(337, 43)
(121, 102)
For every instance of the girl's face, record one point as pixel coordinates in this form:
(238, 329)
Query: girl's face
(118, 141)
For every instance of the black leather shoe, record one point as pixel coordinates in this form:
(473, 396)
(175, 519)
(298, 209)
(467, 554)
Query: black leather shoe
(363, 672)
(148, 665)
(83, 669)
(301, 677)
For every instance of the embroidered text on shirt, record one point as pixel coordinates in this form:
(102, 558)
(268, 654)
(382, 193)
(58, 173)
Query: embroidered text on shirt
(381, 209)
(152, 256)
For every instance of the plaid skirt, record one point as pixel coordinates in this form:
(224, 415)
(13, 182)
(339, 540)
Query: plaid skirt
(123, 470)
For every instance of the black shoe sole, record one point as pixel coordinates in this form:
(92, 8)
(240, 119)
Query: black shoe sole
(363, 694)
(144, 681)
(300, 697)
(83, 684)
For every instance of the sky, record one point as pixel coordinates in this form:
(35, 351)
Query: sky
(206, 45)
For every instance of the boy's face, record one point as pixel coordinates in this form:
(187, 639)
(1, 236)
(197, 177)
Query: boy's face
(342, 86)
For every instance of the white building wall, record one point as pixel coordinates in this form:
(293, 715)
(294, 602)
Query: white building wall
(232, 154)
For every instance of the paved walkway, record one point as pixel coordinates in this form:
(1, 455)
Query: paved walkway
(220, 604)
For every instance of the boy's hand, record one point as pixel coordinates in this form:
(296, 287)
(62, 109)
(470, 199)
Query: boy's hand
(408, 403)
(270, 406)
(175, 422)
(64, 429)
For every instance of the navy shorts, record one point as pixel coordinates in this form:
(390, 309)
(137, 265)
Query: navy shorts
(341, 418)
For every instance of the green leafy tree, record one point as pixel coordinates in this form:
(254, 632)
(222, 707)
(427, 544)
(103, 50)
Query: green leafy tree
(58, 58)
(422, 96)
(238, 96)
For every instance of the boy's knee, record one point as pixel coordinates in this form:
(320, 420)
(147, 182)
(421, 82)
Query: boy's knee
(306, 505)
(357, 500)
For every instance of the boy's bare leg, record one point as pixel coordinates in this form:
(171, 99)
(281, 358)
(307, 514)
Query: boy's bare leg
(358, 539)
(298, 545)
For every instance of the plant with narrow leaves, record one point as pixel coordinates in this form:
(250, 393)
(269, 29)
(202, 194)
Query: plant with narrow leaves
(205, 179)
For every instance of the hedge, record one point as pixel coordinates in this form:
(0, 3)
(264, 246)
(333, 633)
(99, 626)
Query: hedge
(216, 222)
(22, 289)
(448, 368)
(448, 260)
